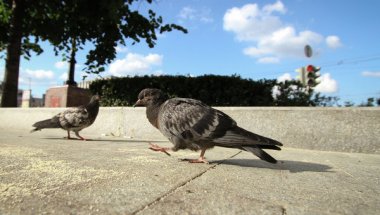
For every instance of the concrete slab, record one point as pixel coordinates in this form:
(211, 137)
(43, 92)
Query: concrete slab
(42, 173)
(304, 182)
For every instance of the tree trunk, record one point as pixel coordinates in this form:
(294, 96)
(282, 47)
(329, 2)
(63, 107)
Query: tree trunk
(70, 80)
(12, 63)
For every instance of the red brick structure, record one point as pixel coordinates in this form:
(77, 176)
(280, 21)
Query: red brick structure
(66, 96)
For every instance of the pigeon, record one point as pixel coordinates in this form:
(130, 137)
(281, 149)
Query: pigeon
(73, 119)
(191, 124)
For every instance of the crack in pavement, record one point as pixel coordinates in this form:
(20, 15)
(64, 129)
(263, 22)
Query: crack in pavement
(173, 190)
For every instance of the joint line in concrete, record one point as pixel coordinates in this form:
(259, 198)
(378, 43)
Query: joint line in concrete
(173, 190)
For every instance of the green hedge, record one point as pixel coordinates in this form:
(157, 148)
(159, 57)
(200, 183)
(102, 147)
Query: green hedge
(211, 89)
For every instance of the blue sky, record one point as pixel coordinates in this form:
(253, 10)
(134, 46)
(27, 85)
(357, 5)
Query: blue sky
(254, 39)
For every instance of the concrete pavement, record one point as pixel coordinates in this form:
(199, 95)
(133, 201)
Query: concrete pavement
(41, 173)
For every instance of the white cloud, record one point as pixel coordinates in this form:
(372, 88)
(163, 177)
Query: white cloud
(327, 84)
(38, 79)
(135, 64)
(268, 60)
(284, 77)
(61, 65)
(249, 23)
(269, 35)
(187, 13)
(278, 6)
(40, 74)
(333, 42)
(158, 73)
(121, 49)
(191, 14)
(63, 76)
(371, 74)
(276, 91)
(65, 65)
(1, 74)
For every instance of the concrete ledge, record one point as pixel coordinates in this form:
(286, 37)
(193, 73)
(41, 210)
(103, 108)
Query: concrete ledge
(329, 129)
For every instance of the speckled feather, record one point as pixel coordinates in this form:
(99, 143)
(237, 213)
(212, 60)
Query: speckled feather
(72, 119)
(189, 121)
(75, 119)
(191, 124)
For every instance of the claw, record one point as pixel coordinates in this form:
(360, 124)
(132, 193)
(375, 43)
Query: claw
(157, 148)
(199, 160)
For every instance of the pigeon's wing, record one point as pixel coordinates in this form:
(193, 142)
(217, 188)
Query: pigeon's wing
(190, 120)
(74, 118)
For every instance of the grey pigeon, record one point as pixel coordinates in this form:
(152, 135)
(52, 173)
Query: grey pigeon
(191, 124)
(73, 119)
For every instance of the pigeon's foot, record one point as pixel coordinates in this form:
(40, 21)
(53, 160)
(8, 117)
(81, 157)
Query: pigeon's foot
(80, 137)
(157, 148)
(73, 138)
(68, 136)
(84, 139)
(199, 160)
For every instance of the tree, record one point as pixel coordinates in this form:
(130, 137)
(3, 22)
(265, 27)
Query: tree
(106, 24)
(292, 93)
(13, 54)
(325, 101)
(68, 25)
(368, 103)
(348, 104)
(14, 38)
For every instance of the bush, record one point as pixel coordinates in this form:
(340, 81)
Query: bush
(211, 89)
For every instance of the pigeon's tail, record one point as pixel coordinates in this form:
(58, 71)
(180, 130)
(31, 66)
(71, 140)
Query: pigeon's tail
(255, 139)
(248, 141)
(48, 123)
(260, 153)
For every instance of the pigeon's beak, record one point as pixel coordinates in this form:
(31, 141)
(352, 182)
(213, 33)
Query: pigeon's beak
(138, 103)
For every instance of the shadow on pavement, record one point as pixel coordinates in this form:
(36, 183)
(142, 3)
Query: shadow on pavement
(292, 166)
(105, 140)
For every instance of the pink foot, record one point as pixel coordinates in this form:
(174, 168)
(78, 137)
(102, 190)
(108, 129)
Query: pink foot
(80, 137)
(157, 148)
(199, 160)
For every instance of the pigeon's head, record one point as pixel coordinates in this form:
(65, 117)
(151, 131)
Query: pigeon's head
(150, 96)
(95, 98)
(94, 102)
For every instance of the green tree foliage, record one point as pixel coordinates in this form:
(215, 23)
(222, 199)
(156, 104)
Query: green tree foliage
(369, 103)
(348, 104)
(23, 23)
(292, 93)
(106, 24)
(212, 89)
(325, 101)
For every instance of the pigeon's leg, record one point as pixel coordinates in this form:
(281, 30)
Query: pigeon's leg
(201, 158)
(68, 135)
(157, 148)
(80, 137)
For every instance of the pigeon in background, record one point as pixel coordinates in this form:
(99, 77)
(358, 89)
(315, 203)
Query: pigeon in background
(73, 119)
(191, 124)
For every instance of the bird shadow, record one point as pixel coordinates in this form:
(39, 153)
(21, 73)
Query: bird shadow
(105, 140)
(128, 141)
(291, 166)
